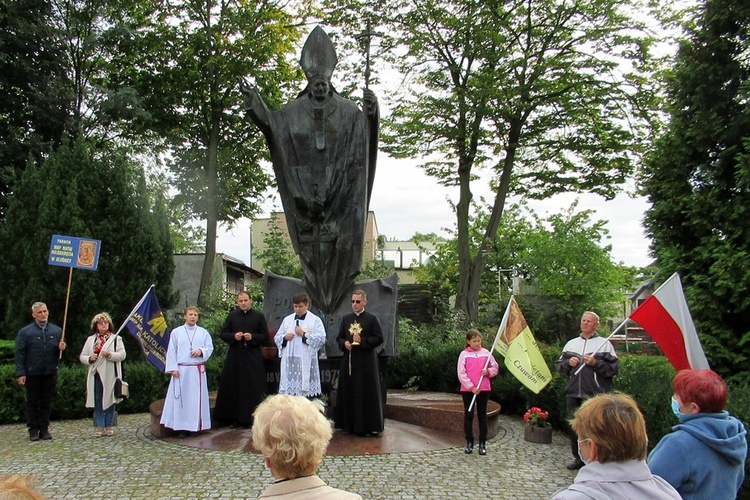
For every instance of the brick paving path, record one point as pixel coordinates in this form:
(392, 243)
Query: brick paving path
(133, 464)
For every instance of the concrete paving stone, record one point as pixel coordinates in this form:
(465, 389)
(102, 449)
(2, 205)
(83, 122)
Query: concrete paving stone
(142, 467)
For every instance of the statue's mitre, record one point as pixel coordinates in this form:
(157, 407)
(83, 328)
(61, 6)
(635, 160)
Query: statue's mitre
(318, 55)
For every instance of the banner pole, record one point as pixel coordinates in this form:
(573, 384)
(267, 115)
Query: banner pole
(503, 323)
(65, 314)
(134, 310)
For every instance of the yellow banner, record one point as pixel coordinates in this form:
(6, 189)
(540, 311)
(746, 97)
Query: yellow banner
(516, 343)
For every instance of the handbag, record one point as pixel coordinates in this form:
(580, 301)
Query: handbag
(122, 389)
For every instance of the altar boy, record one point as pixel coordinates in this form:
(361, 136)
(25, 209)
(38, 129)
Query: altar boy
(186, 407)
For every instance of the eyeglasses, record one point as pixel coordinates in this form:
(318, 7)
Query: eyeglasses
(103, 322)
(356, 301)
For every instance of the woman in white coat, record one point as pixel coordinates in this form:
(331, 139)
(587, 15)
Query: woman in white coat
(102, 352)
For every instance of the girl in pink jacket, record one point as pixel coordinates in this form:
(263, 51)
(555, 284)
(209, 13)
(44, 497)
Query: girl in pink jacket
(471, 367)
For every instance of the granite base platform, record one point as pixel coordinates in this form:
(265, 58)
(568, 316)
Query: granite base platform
(437, 410)
(415, 421)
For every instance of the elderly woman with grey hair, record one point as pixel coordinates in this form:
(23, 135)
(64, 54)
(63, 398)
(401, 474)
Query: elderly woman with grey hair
(293, 434)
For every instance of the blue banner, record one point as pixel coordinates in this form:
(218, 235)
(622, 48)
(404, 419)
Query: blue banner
(147, 324)
(69, 251)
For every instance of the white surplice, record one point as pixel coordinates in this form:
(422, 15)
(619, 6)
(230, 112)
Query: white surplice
(186, 407)
(300, 374)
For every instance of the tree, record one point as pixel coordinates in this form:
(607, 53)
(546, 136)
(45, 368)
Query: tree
(562, 257)
(698, 181)
(80, 192)
(34, 89)
(549, 96)
(193, 54)
(279, 256)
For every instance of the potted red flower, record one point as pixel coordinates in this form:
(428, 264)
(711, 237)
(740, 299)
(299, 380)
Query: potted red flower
(537, 429)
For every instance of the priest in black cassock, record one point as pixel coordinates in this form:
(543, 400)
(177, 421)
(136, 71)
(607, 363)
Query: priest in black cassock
(359, 401)
(242, 385)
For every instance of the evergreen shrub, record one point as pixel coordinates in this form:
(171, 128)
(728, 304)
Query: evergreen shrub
(7, 351)
(146, 386)
(649, 380)
(739, 406)
(427, 362)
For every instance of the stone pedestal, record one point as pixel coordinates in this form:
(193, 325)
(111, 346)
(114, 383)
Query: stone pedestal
(535, 434)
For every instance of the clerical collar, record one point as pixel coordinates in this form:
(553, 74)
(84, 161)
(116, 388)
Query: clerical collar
(358, 313)
(301, 318)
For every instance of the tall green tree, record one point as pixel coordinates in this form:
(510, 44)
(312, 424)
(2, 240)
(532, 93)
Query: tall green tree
(193, 54)
(34, 88)
(78, 191)
(563, 257)
(698, 180)
(548, 96)
(279, 256)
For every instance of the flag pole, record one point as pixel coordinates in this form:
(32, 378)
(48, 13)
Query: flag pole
(134, 310)
(503, 323)
(628, 318)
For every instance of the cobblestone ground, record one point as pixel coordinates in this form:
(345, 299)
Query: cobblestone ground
(133, 464)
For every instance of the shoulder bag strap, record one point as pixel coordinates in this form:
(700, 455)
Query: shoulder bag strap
(118, 368)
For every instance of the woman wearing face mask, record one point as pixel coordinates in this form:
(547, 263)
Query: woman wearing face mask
(612, 442)
(704, 456)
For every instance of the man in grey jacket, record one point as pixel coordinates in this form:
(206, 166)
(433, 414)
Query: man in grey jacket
(38, 347)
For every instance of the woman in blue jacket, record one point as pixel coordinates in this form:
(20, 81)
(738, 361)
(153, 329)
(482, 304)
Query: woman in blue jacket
(704, 456)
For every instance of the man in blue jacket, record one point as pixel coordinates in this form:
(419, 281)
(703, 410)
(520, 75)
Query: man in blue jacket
(38, 347)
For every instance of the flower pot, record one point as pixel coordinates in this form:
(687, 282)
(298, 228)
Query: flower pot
(535, 434)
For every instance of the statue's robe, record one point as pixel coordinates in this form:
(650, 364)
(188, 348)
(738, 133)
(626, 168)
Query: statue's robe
(324, 161)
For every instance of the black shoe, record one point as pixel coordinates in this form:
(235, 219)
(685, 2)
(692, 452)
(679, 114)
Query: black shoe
(45, 434)
(33, 434)
(469, 447)
(182, 435)
(234, 425)
(482, 448)
(575, 465)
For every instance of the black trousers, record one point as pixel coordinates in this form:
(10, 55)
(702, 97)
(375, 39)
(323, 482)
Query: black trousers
(480, 408)
(571, 405)
(39, 392)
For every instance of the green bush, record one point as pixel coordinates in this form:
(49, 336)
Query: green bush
(649, 380)
(12, 396)
(146, 386)
(739, 406)
(7, 351)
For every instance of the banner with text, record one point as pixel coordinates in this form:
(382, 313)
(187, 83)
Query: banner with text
(516, 343)
(70, 251)
(147, 324)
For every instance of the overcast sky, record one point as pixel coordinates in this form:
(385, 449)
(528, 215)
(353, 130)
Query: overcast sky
(405, 201)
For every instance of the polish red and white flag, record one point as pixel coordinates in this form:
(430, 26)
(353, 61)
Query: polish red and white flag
(666, 318)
